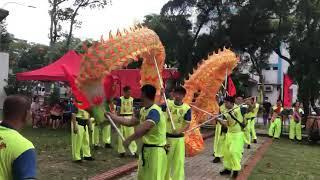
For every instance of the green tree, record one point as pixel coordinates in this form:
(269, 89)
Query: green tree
(5, 37)
(174, 32)
(56, 17)
(34, 58)
(17, 48)
(71, 14)
(304, 42)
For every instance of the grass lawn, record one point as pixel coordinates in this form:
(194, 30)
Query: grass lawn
(286, 160)
(54, 156)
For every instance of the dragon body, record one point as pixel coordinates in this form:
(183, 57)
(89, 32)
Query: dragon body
(94, 84)
(206, 81)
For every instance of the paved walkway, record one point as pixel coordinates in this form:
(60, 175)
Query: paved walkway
(200, 167)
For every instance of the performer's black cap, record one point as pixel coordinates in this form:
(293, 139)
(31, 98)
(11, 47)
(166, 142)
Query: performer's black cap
(229, 99)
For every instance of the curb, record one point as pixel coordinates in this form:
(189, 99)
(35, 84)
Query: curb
(116, 171)
(249, 166)
(127, 168)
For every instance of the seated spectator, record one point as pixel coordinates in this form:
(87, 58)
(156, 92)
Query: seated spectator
(35, 112)
(45, 115)
(68, 109)
(55, 116)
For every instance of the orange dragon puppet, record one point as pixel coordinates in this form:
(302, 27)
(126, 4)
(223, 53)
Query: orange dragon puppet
(94, 84)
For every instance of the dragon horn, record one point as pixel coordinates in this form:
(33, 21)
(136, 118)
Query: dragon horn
(101, 39)
(118, 33)
(110, 35)
(125, 31)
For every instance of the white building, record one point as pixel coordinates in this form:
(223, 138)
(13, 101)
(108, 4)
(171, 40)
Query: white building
(273, 78)
(4, 68)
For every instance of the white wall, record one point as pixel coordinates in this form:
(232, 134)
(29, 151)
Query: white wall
(270, 76)
(4, 68)
(275, 77)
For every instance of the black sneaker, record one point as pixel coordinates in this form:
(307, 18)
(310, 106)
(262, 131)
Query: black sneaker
(107, 146)
(95, 147)
(235, 174)
(216, 160)
(249, 147)
(122, 155)
(225, 172)
(88, 158)
(255, 141)
(78, 161)
(135, 155)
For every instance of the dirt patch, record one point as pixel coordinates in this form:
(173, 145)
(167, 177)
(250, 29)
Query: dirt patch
(245, 173)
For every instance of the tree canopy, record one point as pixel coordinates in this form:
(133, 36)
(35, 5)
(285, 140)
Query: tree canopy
(190, 30)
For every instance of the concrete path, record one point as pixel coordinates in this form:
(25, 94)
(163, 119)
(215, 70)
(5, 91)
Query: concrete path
(201, 167)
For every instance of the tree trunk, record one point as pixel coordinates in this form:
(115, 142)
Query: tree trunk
(52, 17)
(257, 69)
(262, 83)
(70, 33)
(219, 15)
(71, 26)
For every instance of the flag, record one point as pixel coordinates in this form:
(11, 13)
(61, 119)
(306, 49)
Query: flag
(287, 93)
(231, 87)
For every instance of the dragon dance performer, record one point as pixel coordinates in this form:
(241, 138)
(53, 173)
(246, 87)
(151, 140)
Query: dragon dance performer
(181, 116)
(233, 148)
(276, 122)
(295, 123)
(152, 130)
(125, 106)
(80, 125)
(219, 138)
(250, 118)
(102, 127)
(17, 154)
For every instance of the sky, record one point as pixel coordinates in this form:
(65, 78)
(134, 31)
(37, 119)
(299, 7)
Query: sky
(32, 24)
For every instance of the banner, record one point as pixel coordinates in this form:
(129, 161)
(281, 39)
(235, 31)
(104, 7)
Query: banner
(231, 87)
(287, 93)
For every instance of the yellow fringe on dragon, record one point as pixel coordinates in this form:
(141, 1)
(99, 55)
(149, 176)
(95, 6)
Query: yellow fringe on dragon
(206, 81)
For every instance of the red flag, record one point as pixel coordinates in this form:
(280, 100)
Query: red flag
(287, 93)
(231, 88)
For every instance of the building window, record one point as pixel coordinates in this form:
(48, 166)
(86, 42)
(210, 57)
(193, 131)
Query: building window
(267, 68)
(268, 88)
(275, 68)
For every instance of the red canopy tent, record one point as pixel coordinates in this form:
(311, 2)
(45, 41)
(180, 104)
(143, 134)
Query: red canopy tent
(123, 77)
(54, 71)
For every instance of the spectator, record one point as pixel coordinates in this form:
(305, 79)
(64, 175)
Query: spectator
(266, 111)
(35, 111)
(68, 109)
(55, 116)
(17, 154)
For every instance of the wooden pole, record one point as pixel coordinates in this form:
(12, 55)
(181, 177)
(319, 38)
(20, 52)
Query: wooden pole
(117, 129)
(164, 95)
(215, 117)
